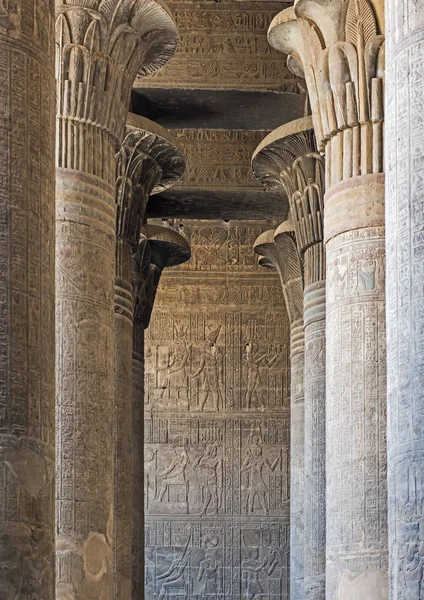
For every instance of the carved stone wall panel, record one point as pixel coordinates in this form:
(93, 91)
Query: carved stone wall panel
(224, 46)
(356, 411)
(404, 228)
(218, 559)
(218, 159)
(27, 438)
(217, 425)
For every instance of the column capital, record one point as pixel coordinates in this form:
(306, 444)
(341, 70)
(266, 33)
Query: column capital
(279, 248)
(287, 161)
(161, 248)
(149, 161)
(101, 48)
(339, 47)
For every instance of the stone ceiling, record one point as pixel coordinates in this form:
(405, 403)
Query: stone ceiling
(222, 92)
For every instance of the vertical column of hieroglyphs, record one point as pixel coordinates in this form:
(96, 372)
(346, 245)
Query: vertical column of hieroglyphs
(217, 424)
(148, 162)
(101, 46)
(287, 160)
(341, 51)
(279, 248)
(27, 299)
(404, 235)
(159, 248)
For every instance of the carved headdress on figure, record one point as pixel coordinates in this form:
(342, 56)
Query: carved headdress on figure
(213, 334)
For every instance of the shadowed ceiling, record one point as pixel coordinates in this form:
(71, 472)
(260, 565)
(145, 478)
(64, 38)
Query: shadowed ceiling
(221, 93)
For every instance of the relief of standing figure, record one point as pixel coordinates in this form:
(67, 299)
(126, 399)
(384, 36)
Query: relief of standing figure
(210, 371)
(253, 465)
(212, 464)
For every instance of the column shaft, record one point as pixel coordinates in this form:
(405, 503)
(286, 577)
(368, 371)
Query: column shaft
(405, 297)
(356, 398)
(340, 45)
(314, 479)
(138, 460)
(100, 50)
(85, 267)
(27, 299)
(288, 160)
(297, 440)
(123, 427)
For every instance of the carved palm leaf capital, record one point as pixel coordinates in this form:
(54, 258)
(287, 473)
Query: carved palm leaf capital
(278, 247)
(340, 48)
(149, 161)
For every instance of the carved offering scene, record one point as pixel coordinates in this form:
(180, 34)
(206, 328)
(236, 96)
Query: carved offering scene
(212, 300)
(217, 423)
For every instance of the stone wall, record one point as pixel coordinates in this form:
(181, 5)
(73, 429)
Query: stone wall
(217, 424)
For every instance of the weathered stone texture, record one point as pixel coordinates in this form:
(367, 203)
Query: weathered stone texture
(27, 300)
(279, 247)
(224, 46)
(287, 162)
(339, 47)
(101, 47)
(314, 468)
(356, 408)
(217, 424)
(149, 161)
(405, 302)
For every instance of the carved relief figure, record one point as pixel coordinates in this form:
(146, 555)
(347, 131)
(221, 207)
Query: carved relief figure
(252, 362)
(175, 473)
(210, 371)
(254, 465)
(212, 491)
(251, 569)
(210, 571)
(6, 7)
(176, 371)
(412, 570)
(36, 573)
(367, 275)
(174, 577)
(10, 568)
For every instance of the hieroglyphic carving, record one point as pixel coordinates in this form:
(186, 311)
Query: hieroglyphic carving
(339, 46)
(287, 161)
(280, 248)
(224, 47)
(195, 559)
(164, 248)
(209, 457)
(220, 246)
(100, 47)
(27, 436)
(404, 218)
(149, 161)
(218, 158)
(356, 359)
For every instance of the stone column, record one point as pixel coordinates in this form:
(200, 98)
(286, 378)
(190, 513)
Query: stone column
(280, 248)
(100, 50)
(161, 248)
(27, 299)
(339, 47)
(148, 162)
(287, 161)
(405, 297)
